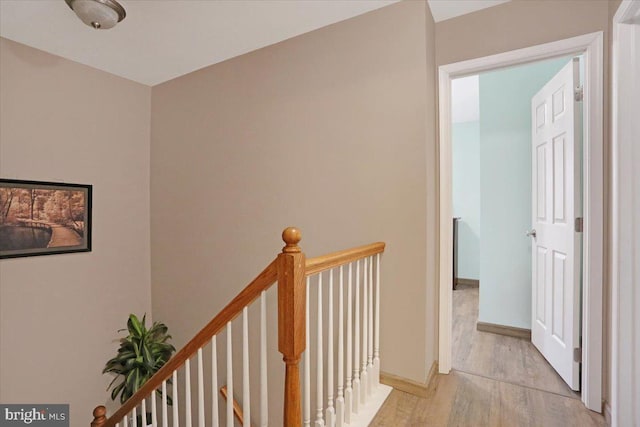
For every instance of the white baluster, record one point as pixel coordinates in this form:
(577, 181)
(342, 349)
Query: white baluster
(117, 424)
(246, 395)
(154, 410)
(340, 398)
(330, 418)
(187, 392)
(201, 422)
(319, 364)
(376, 345)
(365, 334)
(174, 397)
(143, 412)
(307, 363)
(215, 419)
(165, 416)
(371, 381)
(125, 421)
(348, 390)
(356, 346)
(229, 377)
(134, 419)
(264, 411)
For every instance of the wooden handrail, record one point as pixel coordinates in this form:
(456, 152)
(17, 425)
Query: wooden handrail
(237, 410)
(262, 282)
(336, 259)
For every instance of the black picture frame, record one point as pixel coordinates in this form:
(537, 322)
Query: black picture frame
(34, 214)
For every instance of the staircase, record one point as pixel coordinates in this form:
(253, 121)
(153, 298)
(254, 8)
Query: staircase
(343, 381)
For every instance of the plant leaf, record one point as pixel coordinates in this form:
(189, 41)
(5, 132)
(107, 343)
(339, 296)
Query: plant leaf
(147, 356)
(134, 326)
(132, 380)
(116, 390)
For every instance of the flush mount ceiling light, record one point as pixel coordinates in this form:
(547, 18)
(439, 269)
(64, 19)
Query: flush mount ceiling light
(99, 14)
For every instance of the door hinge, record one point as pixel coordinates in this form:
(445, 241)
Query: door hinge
(578, 93)
(577, 355)
(579, 225)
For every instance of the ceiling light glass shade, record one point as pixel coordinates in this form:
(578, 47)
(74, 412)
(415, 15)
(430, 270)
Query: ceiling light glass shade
(99, 14)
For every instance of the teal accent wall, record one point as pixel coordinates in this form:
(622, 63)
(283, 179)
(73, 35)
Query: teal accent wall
(505, 185)
(465, 139)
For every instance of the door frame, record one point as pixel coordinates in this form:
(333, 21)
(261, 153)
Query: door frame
(623, 105)
(591, 46)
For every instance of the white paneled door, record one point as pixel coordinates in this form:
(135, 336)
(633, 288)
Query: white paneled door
(555, 329)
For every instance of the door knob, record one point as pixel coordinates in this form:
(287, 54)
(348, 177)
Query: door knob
(531, 233)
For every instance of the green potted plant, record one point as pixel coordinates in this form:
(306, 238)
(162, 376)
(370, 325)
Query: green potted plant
(141, 354)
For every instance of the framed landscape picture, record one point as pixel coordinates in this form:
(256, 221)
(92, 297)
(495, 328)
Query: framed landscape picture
(44, 218)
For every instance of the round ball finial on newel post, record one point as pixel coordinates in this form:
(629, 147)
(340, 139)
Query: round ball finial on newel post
(99, 416)
(291, 236)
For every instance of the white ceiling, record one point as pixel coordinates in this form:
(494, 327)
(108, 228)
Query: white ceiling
(447, 9)
(163, 39)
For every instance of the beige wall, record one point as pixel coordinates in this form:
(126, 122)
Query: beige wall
(431, 170)
(517, 24)
(332, 131)
(62, 121)
(523, 23)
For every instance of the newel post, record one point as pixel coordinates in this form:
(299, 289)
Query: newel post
(99, 416)
(291, 321)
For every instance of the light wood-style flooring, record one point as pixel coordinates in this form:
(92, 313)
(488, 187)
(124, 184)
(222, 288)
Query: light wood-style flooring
(460, 399)
(496, 381)
(503, 358)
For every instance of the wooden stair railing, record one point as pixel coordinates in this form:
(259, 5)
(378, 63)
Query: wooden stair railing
(289, 269)
(358, 372)
(237, 409)
(262, 282)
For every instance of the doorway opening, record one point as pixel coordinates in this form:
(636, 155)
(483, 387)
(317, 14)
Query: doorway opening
(590, 46)
(515, 131)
